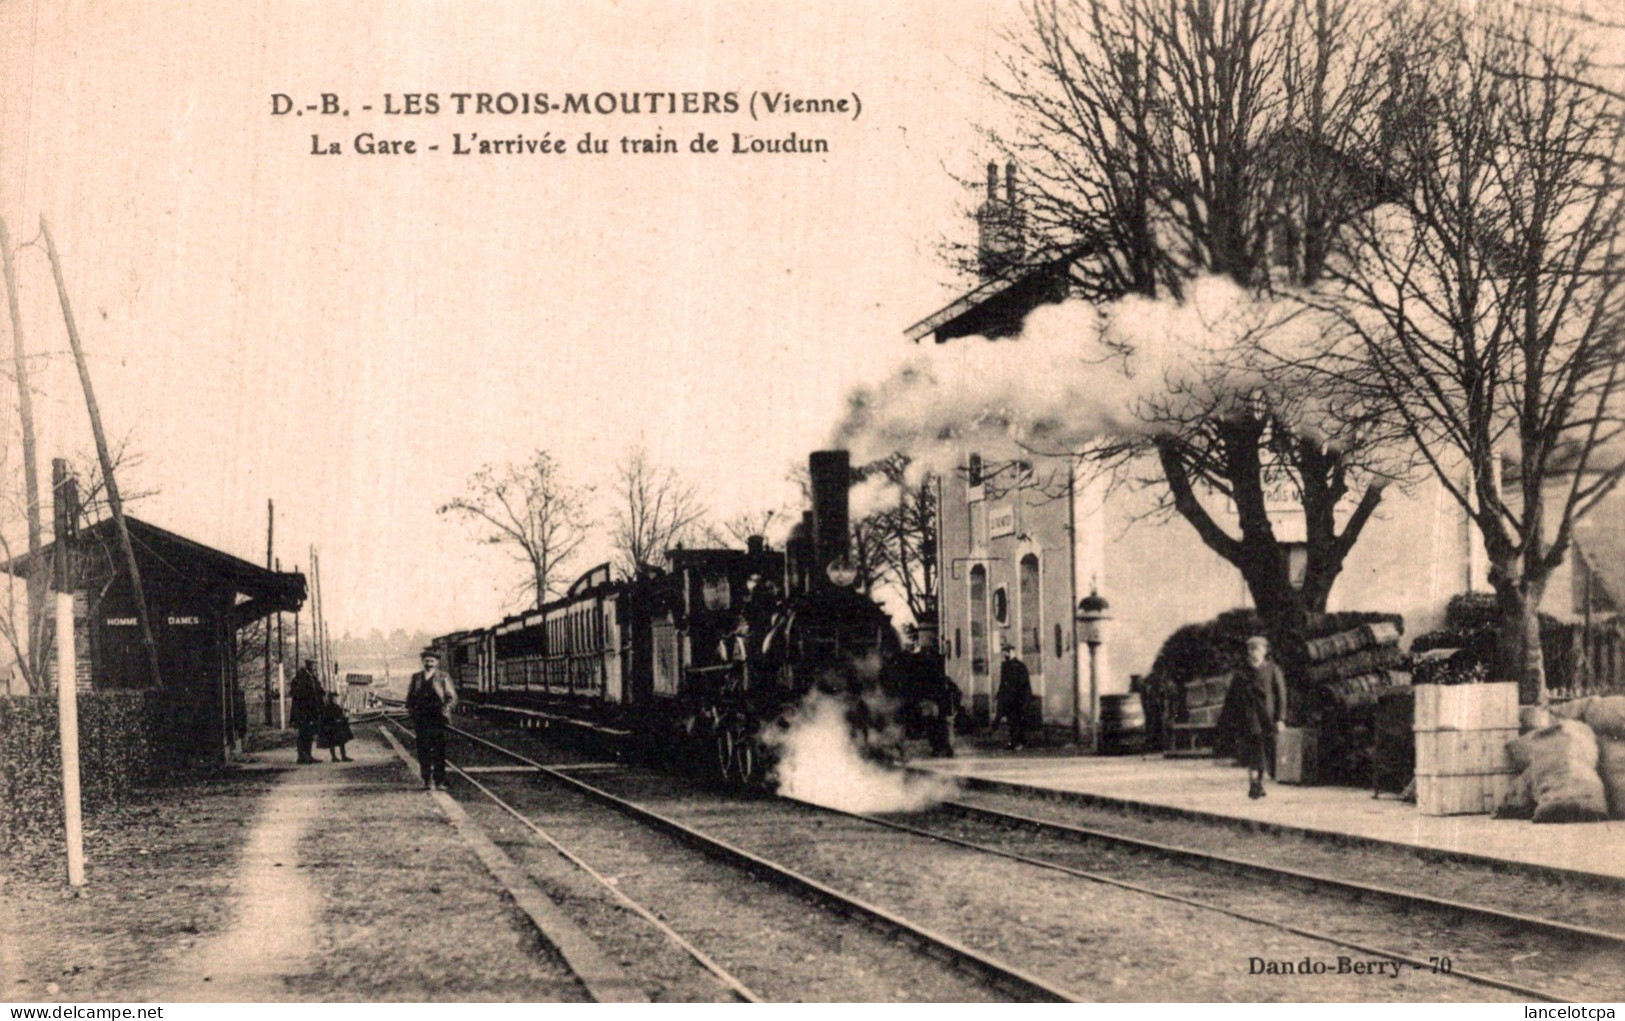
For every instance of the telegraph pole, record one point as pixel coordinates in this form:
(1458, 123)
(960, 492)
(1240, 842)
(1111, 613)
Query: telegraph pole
(316, 622)
(33, 656)
(281, 665)
(270, 561)
(270, 532)
(113, 500)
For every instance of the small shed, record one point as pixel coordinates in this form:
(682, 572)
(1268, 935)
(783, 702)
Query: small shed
(197, 598)
(357, 691)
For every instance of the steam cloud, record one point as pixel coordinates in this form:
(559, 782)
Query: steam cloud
(1075, 374)
(819, 763)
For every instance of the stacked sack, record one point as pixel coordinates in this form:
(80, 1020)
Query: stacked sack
(1574, 769)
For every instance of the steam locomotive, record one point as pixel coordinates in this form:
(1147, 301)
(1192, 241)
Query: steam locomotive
(700, 659)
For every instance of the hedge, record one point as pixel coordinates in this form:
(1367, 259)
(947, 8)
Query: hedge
(126, 740)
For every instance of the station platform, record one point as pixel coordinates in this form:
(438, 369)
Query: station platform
(1216, 790)
(326, 895)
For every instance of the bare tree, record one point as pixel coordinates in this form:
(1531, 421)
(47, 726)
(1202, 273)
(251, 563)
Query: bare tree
(25, 620)
(655, 511)
(738, 530)
(906, 550)
(1487, 305)
(1169, 139)
(530, 511)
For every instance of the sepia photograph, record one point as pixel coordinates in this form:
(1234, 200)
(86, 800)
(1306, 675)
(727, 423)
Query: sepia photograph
(755, 501)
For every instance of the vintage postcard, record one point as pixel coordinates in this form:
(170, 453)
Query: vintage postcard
(974, 501)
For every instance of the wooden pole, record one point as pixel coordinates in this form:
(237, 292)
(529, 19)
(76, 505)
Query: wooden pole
(270, 561)
(67, 673)
(113, 501)
(316, 621)
(1072, 602)
(281, 645)
(297, 661)
(32, 655)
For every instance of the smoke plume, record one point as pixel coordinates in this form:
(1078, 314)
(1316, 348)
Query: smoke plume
(820, 763)
(1076, 374)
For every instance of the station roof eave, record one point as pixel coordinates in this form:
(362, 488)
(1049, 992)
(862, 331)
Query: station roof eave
(261, 591)
(1600, 538)
(998, 306)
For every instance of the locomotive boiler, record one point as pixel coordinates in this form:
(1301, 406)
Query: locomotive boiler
(699, 658)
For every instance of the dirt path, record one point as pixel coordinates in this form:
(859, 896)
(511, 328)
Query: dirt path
(272, 936)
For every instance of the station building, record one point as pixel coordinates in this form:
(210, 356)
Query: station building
(1021, 542)
(197, 598)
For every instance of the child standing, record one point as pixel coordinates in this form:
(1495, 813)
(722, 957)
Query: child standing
(336, 731)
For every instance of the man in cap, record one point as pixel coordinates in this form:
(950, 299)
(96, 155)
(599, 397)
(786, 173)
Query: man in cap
(428, 698)
(305, 715)
(1014, 697)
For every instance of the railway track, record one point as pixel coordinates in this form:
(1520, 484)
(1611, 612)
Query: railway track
(1560, 940)
(1055, 846)
(989, 972)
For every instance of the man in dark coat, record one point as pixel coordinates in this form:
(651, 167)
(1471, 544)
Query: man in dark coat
(428, 698)
(1014, 697)
(943, 694)
(1264, 713)
(305, 715)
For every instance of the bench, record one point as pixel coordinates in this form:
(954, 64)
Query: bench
(1193, 736)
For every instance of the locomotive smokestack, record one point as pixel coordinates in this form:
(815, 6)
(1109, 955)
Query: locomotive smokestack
(831, 474)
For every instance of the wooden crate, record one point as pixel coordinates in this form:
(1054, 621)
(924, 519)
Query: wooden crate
(1469, 794)
(1295, 756)
(1463, 752)
(1467, 706)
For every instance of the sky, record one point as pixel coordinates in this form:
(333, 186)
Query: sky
(351, 336)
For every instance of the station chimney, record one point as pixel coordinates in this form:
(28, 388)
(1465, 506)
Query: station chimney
(1001, 243)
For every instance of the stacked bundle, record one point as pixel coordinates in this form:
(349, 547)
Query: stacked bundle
(1448, 666)
(1354, 667)
(1348, 672)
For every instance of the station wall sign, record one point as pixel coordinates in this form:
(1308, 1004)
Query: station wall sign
(1001, 520)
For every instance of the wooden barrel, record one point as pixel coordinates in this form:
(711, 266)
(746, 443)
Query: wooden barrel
(1122, 723)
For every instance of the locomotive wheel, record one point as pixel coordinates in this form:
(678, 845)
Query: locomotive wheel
(727, 754)
(747, 762)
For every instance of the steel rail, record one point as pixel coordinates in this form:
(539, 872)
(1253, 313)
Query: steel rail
(1358, 889)
(737, 988)
(1392, 955)
(1003, 976)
